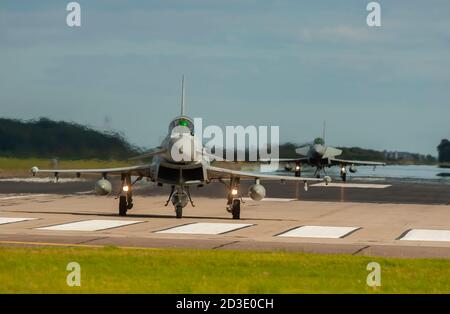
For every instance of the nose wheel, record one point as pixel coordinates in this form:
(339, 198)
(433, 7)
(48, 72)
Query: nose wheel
(179, 211)
(179, 197)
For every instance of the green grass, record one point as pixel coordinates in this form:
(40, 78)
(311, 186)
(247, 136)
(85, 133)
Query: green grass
(21, 166)
(108, 270)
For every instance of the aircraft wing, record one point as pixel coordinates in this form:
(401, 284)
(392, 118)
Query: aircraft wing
(139, 170)
(223, 173)
(330, 152)
(304, 150)
(356, 162)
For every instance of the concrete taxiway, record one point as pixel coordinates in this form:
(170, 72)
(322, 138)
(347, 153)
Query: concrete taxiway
(337, 224)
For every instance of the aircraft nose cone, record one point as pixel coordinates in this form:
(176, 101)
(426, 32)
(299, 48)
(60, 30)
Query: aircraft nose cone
(182, 149)
(319, 149)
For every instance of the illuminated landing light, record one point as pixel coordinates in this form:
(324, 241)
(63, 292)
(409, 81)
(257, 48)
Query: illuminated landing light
(125, 188)
(234, 192)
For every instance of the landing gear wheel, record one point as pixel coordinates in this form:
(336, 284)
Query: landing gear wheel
(123, 205)
(236, 209)
(344, 176)
(179, 211)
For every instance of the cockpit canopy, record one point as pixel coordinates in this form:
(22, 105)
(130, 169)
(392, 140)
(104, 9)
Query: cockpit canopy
(181, 124)
(319, 141)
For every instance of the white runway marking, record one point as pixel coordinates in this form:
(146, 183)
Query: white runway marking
(13, 197)
(354, 185)
(42, 180)
(269, 199)
(7, 220)
(90, 225)
(319, 232)
(427, 235)
(205, 228)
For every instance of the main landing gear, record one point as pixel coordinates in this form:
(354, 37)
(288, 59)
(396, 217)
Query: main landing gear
(234, 200)
(343, 173)
(179, 196)
(298, 169)
(126, 194)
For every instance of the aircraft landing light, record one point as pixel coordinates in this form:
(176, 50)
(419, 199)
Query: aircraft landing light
(353, 185)
(8, 220)
(205, 228)
(319, 232)
(426, 235)
(90, 225)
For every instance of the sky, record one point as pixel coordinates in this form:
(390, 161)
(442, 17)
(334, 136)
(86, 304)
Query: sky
(291, 64)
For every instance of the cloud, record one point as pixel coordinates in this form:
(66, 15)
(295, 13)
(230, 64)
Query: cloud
(336, 34)
(287, 61)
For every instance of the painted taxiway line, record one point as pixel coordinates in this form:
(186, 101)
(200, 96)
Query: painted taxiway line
(426, 235)
(90, 225)
(353, 185)
(75, 245)
(209, 228)
(13, 197)
(270, 199)
(9, 220)
(326, 232)
(42, 180)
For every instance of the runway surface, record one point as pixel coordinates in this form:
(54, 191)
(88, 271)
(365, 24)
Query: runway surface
(373, 191)
(396, 219)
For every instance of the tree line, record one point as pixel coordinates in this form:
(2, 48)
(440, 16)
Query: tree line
(45, 138)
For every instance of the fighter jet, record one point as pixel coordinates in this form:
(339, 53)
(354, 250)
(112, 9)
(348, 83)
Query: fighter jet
(320, 156)
(180, 168)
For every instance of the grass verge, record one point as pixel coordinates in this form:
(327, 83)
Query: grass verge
(117, 270)
(21, 166)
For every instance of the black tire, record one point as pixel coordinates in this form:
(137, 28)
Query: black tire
(179, 211)
(344, 177)
(122, 205)
(298, 173)
(236, 209)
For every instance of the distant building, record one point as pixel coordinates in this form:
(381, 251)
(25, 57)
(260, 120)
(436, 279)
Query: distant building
(409, 157)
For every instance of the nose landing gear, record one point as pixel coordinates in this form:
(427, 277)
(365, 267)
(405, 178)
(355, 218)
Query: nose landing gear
(179, 199)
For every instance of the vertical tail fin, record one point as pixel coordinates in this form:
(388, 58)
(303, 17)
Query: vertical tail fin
(182, 95)
(324, 129)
